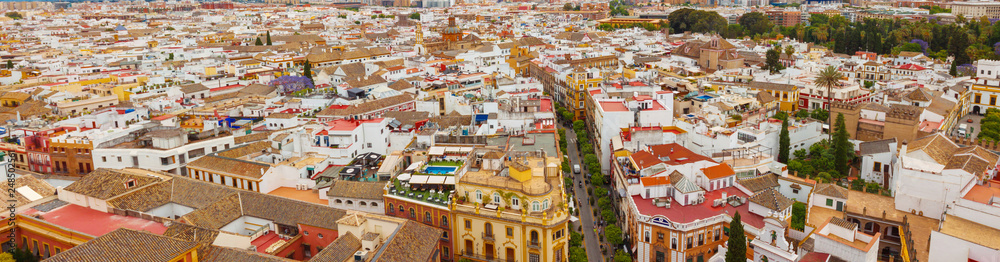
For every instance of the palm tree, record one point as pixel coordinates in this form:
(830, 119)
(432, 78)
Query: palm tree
(829, 77)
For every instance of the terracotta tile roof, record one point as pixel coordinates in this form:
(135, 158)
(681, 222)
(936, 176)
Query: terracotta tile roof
(968, 163)
(217, 214)
(875, 147)
(202, 236)
(242, 151)
(718, 171)
(979, 151)
(224, 165)
(180, 190)
(936, 146)
(830, 190)
(193, 88)
(760, 183)
(773, 86)
(410, 243)
(257, 136)
(126, 245)
(44, 189)
(339, 250)
(840, 222)
(400, 85)
(106, 183)
(771, 199)
(257, 89)
(227, 254)
(355, 189)
(366, 107)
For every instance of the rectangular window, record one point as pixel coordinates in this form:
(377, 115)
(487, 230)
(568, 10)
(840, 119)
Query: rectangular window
(690, 242)
(993, 100)
(877, 167)
(829, 202)
(510, 231)
(468, 224)
(673, 243)
(104, 159)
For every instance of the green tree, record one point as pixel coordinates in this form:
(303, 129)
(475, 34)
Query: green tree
(307, 71)
(953, 71)
(609, 216)
(170, 56)
(784, 144)
(789, 50)
(802, 113)
(268, 37)
(755, 23)
(259, 43)
(959, 43)
(567, 7)
(614, 234)
(10, 64)
(780, 115)
(773, 61)
(14, 15)
(820, 114)
(737, 242)
(597, 179)
(828, 77)
(415, 16)
(799, 215)
(621, 256)
(577, 254)
(801, 153)
(843, 149)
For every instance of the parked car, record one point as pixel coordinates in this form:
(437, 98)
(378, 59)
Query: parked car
(576, 169)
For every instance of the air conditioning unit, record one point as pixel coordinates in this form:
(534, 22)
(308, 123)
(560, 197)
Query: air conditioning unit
(360, 256)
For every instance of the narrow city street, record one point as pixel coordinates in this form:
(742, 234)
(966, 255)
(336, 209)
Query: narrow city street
(591, 242)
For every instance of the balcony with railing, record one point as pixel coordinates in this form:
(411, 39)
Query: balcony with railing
(488, 236)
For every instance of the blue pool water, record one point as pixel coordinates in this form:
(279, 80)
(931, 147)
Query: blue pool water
(704, 97)
(440, 169)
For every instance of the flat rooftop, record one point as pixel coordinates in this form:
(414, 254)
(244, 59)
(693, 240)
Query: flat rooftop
(93, 222)
(686, 214)
(971, 231)
(300, 195)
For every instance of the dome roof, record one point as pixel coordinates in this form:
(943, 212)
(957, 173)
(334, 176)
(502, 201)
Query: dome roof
(452, 30)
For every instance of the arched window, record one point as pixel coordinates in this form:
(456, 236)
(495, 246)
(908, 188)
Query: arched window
(545, 204)
(374, 204)
(390, 208)
(479, 196)
(514, 202)
(349, 202)
(496, 198)
(534, 237)
(489, 228)
(401, 210)
(427, 217)
(413, 214)
(444, 220)
(535, 206)
(362, 203)
(338, 201)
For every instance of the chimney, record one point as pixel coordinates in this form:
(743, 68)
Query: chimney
(568, 57)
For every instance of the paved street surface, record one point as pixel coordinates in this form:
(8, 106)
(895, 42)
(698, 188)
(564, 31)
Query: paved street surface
(591, 243)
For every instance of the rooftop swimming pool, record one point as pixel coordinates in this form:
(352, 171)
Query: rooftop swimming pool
(440, 170)
(703, 97)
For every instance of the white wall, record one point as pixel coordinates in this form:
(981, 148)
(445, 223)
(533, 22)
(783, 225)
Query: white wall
(371, 206)
(944, 247)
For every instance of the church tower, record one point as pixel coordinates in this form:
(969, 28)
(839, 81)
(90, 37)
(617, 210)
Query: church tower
(419, 47)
